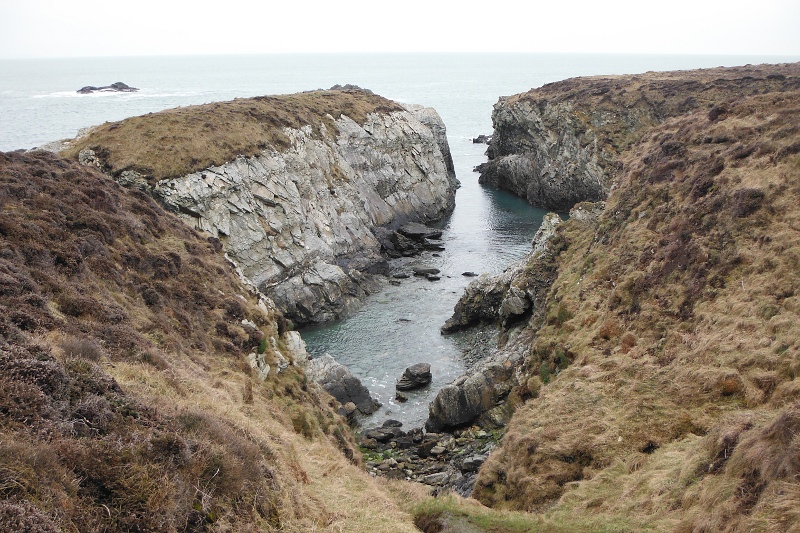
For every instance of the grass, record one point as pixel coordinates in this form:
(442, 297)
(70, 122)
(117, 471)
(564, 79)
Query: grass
(616, 111)
(126, 399)
(176, 142)
(683, 318)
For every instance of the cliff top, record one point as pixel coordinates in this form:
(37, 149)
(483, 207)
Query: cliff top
(667, 85)
(179, 141)
(612, 113)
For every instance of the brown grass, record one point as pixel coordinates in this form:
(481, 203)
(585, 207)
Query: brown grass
(686, 297)
(176, 142)
(122, 359)
(621, 109)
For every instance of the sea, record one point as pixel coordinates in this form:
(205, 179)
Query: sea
(399, 325)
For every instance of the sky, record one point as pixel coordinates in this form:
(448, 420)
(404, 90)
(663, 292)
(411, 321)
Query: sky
(86, 28)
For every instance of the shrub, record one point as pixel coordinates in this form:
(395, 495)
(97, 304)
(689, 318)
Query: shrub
(81, 348)
(544, 372)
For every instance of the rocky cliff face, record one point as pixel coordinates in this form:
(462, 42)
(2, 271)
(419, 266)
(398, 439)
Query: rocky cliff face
(305, 221)
(560, 144)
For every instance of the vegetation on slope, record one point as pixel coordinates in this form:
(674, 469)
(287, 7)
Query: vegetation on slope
(176, 142)
(616, 111)
(677, 319)
(126, 399)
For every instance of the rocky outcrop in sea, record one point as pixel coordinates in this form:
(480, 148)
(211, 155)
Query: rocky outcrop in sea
(117, 87)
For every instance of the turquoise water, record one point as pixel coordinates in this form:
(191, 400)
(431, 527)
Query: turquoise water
(489, 229)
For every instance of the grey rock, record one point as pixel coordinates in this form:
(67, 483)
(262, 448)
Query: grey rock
(472, 463)
(307, 224)
(540, 152)
(117, 87)
(341, 383)
(414, 377)
(424, 271)
(418, 232)
(436, 479)
(504, 297)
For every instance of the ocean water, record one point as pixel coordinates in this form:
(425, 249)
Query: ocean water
(489, 229)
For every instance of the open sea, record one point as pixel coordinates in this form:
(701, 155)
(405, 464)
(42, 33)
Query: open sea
(489, 229)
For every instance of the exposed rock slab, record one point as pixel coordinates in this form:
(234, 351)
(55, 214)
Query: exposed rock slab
(341, 383)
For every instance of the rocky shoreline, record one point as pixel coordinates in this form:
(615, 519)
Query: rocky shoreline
(447, 461)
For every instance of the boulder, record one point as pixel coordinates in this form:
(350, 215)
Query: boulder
(414, 377)
(482, 139)
(424, 272)
(341, 383)
(418, 232)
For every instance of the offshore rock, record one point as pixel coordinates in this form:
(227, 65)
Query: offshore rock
(117, 87)
(307, 224)
(341, 383)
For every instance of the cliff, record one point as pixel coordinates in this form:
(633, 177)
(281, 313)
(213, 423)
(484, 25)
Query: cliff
(659, 387)
(127, 396)
(560, 144)
(302, 190)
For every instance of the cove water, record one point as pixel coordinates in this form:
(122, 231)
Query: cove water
(489, 229)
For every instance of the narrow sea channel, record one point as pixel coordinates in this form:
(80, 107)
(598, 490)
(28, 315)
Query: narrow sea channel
(399, 325)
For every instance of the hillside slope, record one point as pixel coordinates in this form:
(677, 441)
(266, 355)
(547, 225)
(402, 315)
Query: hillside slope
(663, 384)
(127, 402)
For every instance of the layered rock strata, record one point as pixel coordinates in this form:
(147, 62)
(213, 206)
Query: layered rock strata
(559, 144)
(306, 217)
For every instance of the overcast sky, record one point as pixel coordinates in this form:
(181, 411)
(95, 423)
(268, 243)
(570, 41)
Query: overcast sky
(57, 28)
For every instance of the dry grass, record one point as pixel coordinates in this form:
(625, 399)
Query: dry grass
(684, 317)
(122, 363)
(176, 142)
(619, 110)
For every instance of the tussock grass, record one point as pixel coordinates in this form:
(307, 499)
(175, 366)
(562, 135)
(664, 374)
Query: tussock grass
(682, 333)
(122, 363)
(176, 142)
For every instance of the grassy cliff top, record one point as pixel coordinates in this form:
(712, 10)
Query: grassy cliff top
(179, 141)
(620, 109)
